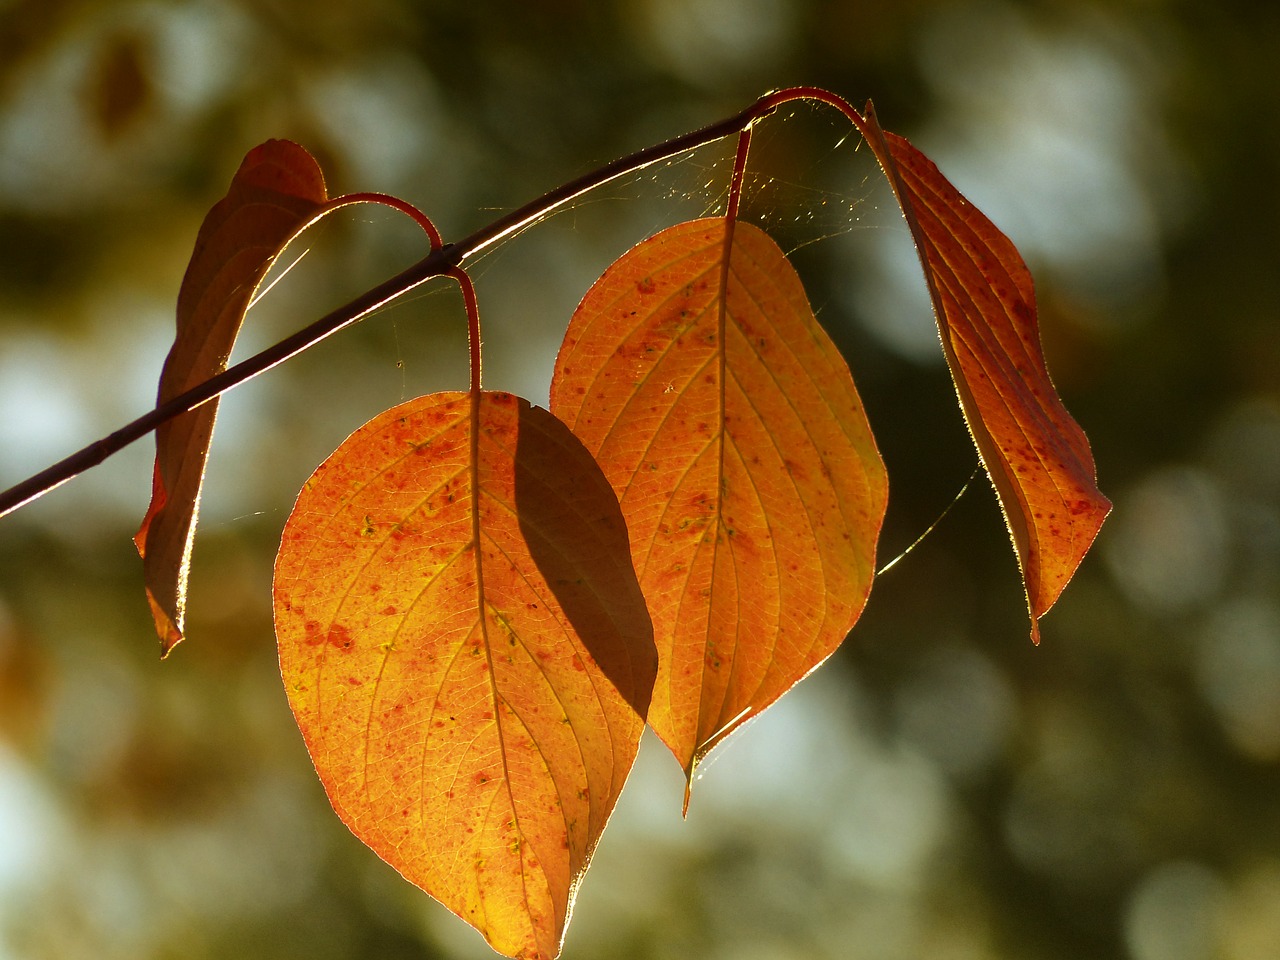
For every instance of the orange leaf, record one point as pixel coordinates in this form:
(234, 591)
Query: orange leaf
(467, 653)
(278, 190)
(1037, 456)
(728, 424)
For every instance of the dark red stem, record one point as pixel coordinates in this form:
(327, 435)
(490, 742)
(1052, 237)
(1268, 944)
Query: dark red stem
(473, 323)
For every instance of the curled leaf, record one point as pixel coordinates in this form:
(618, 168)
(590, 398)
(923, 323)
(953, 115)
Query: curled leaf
(278, 190)
(728, 423)
(277, 193)
(1037, 456)
(467, 653)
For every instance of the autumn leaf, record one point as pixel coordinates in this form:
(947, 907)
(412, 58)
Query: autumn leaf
(278, 192)
(728, 423)
(1037, 456)
(467, 653)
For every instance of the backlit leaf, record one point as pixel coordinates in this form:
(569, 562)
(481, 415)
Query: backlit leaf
(278, 190)
(1037, 456)
(467, 653)
(728, 424)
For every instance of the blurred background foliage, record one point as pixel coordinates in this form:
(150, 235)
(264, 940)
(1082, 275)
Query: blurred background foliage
(940, 789)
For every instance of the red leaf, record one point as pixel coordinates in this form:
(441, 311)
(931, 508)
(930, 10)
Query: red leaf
(467, 653)
(729, 426)
(277, 193)
(1037, 456)
(278, 190)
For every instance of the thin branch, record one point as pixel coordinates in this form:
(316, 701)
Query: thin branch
(436, 263)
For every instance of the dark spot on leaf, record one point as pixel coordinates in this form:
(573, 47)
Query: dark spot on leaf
(340, 637)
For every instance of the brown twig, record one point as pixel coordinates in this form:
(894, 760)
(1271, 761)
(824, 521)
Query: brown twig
(435, 264)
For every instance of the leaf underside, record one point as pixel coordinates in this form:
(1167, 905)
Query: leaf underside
(278, 190)
(728, 423)
(1037, 456)
(468, 654)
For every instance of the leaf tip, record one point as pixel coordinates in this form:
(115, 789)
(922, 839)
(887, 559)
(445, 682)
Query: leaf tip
(170, 640)
(169, 630)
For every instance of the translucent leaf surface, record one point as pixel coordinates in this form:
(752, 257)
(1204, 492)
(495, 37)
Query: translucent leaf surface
(467, 653)
(729, 426)
(1037, 456)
